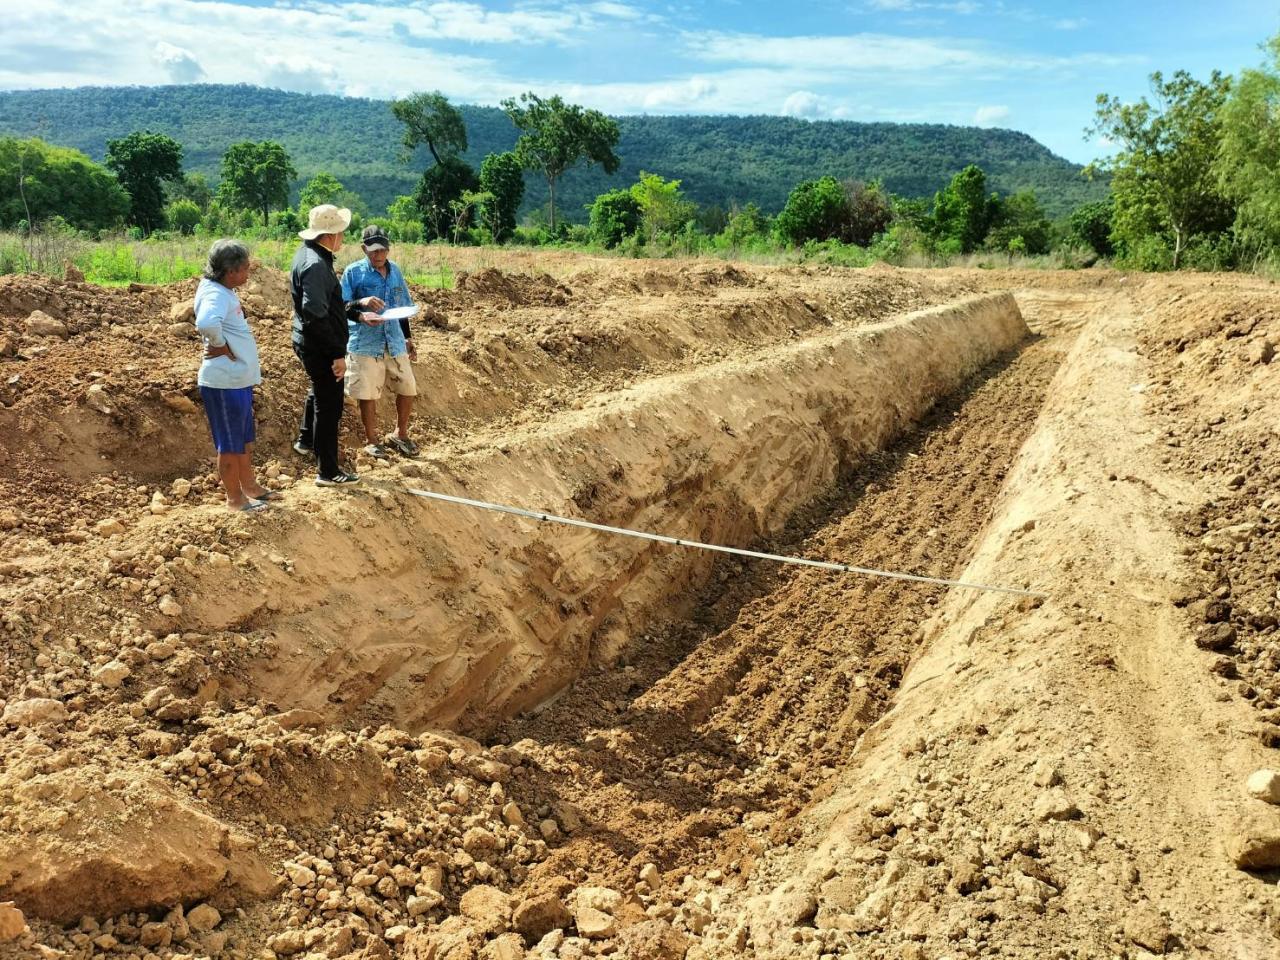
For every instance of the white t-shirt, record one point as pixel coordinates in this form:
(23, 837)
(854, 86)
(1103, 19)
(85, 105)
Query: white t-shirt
(220, 319)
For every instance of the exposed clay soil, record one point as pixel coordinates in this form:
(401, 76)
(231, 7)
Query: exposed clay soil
(368, 726)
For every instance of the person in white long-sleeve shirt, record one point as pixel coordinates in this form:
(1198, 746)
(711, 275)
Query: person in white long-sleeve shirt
(229, 373)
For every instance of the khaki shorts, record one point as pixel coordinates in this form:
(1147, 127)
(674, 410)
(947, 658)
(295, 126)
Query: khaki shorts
(365, 376)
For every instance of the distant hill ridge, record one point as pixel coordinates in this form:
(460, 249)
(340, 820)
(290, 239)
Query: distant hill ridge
(721, 159)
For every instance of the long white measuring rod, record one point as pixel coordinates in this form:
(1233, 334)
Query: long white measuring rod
(680, 542)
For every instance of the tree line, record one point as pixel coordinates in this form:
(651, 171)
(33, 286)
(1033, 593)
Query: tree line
(722, 160)
(1192, 183)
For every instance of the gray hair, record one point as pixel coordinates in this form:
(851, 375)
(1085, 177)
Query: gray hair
(225, 256)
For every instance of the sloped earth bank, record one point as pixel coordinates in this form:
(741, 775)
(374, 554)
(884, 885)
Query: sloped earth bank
(1065, 779)
(754, 760)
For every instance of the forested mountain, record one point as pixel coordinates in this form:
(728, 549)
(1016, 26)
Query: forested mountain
(721, 159)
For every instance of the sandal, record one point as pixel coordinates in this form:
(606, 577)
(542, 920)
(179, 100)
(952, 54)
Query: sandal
(404, 446)
(378, 451)
(267, 495)
(251, 506)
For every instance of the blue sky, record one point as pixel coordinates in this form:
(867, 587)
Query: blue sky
(1029, 66)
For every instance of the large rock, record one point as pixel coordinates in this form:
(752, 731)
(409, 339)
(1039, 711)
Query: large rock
(33, 712)
(454, 939)
(1147, 928)
(63, 853)
(604, 899)
(40, 324)
(488, 907)
(112, 674)
(538, 916)
(594, 924)
(1255, 844)
(652, 940)
(12, 922)
(1055, 805)
(1216, 636)
(203, 918)
(1264, 785)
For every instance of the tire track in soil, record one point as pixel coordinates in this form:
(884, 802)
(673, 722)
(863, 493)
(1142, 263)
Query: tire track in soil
(743, 714)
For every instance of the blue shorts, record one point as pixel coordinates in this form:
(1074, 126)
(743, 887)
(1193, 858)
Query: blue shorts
(230, 414)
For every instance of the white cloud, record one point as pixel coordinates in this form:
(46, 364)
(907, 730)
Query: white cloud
(618, 11)
(182, 65)
(965, 7)
(878, 53)
(855, 52)
(297, 72)
(682, 95)
(812, 106)
(989, 116)
(1070, 23)
(803, 103)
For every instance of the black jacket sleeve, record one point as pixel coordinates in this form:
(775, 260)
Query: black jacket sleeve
(317, 287)
(404, 328)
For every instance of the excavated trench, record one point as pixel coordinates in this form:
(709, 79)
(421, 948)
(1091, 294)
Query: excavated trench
(682, 709)
(479, 616)
(702, 743)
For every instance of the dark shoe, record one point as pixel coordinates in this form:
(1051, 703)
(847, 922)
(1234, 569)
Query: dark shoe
(378, 451)
(341, 480)
(403, 446)
(302, 449)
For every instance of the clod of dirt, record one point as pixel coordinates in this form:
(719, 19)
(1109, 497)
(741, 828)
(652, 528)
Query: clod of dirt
(12, 922)
(1264, 785)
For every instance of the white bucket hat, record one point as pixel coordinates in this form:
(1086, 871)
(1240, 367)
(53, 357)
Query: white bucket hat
(325, 218)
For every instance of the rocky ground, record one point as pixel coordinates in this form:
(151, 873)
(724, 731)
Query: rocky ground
(782, 762)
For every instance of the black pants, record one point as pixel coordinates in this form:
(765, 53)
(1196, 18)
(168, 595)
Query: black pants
(322, 412)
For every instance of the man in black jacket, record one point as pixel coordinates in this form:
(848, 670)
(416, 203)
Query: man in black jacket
(320, 338)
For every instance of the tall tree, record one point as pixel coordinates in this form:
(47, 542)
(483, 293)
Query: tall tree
(1247, 167)
(322, 188)
(142, 162)
(440, 188)
(663, 207)
(1018, 225)
(256, 176)
(962, 211)
(815, 210)
(430, 120)
(1090, 224)
(557, 136)
(502, 176)
(1163, 173)
(869, 211)
(193, 187)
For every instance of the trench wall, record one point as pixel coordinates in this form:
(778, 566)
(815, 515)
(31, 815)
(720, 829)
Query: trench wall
(389, 607)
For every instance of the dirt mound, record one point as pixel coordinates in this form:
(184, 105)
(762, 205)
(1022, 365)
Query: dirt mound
(514, 289)
(655, 281)
(1218, 372)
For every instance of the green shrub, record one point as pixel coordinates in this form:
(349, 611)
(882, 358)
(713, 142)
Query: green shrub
(613, 217)
(815, 210)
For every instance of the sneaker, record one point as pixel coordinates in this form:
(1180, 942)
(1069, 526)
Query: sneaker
(403, 445)
(378, 450)
(302, 449)
(341, 480)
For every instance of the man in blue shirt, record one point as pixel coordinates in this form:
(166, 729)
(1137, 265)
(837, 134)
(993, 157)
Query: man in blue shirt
(379, 352)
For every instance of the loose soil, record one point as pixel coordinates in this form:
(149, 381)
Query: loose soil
(363, 726)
